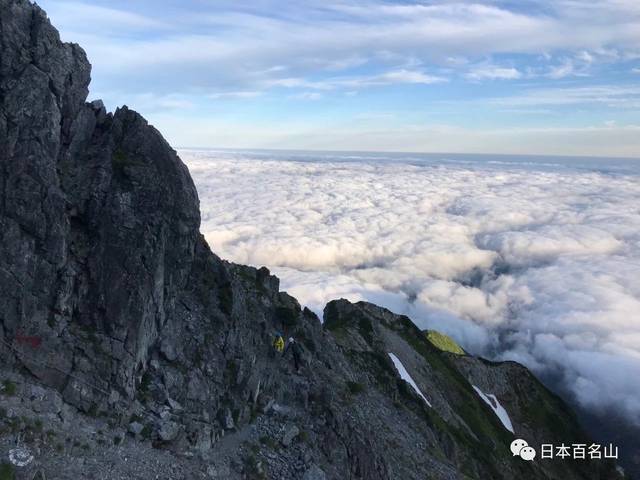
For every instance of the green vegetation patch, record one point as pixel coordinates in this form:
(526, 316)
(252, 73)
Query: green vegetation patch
(120, 160)
(225, 298)
(7, 472)
(269, 442)
(147, 431)
(355, 387)
(9, 388)
(366, 330)
(444, 342)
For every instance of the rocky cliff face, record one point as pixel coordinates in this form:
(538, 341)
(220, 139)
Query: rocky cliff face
(99, 218)
(123, 336)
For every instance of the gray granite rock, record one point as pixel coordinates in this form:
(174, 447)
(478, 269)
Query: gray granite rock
(226, 419)
(314, 473)
(290, 432)
(135, 428)
(168, 431)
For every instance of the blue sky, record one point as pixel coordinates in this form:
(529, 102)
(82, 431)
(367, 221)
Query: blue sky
(530, 76)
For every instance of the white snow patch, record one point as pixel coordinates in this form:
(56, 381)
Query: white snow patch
(20, 456)
(406, 377)
(499, 410)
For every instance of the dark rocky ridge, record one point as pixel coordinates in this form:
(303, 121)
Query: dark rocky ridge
(115, 315)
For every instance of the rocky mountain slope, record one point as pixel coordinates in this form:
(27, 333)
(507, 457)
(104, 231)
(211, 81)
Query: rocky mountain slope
(129, 350)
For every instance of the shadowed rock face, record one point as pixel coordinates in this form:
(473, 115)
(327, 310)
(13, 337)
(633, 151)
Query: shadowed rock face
(132, 318)
(99, 217)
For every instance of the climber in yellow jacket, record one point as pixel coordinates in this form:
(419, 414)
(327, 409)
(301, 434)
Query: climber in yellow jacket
(278, 343)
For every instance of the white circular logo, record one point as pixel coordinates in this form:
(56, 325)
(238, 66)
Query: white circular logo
(528, 453)
(520, 448)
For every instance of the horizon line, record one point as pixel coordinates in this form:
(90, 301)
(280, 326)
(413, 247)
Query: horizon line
(392, 152)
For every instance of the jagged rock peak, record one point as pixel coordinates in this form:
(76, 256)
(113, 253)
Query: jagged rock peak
(99, 217)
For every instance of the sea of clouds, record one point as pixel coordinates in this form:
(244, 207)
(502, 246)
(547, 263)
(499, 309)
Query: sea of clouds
(533, 260)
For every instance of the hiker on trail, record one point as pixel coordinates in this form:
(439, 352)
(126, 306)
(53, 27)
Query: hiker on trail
(278, 343)
(296, 351)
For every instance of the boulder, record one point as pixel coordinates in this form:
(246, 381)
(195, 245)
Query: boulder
(226, 419)
(314, 473)
(290, 432)
(174, 405)
(168, 431)
(136, 428)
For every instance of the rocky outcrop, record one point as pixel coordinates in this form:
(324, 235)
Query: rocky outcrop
(457, 419)
(99, 218)
(122, 331)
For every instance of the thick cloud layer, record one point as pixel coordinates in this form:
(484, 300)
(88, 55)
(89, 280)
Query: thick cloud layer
(526, 259)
